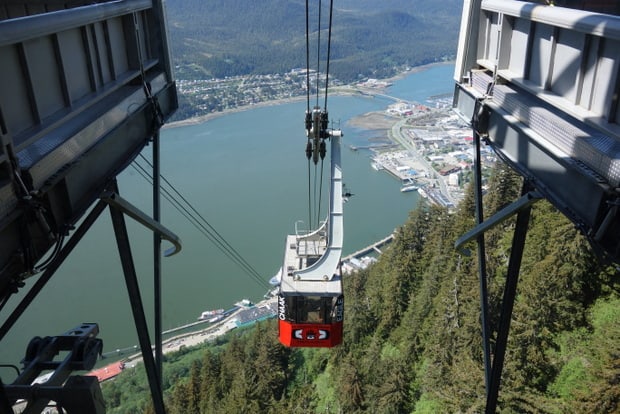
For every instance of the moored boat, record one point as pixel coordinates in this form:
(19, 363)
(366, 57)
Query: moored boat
(210, 314)
(244, 303)
(409, 187)
(376, 165)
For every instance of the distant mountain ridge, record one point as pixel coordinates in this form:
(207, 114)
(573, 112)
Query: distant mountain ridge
(218, 38)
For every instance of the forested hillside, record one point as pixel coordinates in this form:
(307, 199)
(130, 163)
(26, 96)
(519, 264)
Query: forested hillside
(412, 340)
(218, 38)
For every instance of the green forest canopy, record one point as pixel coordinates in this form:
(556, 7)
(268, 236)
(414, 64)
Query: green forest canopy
(412, 332)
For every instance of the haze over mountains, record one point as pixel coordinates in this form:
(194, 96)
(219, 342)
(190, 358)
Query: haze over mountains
(218, 38)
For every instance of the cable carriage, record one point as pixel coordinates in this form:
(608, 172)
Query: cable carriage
(310, 300)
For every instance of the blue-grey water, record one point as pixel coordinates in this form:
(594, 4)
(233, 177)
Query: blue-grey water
(247, 174)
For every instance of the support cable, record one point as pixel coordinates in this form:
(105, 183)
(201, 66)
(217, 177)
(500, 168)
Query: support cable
(323, 127)
(308, 115)
(329, 46)
(201, 224)
(51, 269)
(317, 122)
(318, 56)
(217, 240)
(307, 64)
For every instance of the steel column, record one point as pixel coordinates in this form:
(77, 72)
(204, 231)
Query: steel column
(482, 264)
(133, 289)
(157, 259)
(510, 292)
(51, 269)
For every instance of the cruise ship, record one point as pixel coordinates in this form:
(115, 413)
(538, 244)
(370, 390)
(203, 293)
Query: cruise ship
(210, 314)
(376, 165)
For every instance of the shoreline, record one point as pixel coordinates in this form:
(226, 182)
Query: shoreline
(207, 117)
(417, 69)
(204, 118)
(195, 338)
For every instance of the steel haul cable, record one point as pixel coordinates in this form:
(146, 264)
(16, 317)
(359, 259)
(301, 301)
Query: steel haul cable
(201, 224)
(318, 178)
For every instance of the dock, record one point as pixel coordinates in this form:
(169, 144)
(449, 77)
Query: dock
(375, 247)
(401, 165)
(199, 322)
(373, 147)
(239, 316)
(109, 371)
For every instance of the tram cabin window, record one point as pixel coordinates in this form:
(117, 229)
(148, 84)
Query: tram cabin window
(310, 309)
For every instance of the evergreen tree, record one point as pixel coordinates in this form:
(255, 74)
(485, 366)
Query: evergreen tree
(413, 336)
(193, 389)
(351, 393)
(209, 375)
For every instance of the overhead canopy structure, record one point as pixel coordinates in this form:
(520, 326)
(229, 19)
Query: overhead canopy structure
(542, 84)
(84, 87)
(82, 90)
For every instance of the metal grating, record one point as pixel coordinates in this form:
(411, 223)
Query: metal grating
(594, 149)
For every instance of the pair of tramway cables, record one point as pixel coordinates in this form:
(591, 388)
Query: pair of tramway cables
(316, 123)
(197, 220)
(316, 119)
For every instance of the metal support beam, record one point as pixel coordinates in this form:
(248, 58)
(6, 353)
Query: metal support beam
(482, 264)
(504, 214)
(522, 207)
(5, 405)
(44, 24)
(510, 292)
(157, 260)
(119, 203)
(133, 290)
(51, 268)
(118, 206)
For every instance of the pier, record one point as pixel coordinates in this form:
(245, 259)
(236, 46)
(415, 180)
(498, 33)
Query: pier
(199, 322)
(376, 94)
(373, 147)
(375, 247)
(242, 317)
